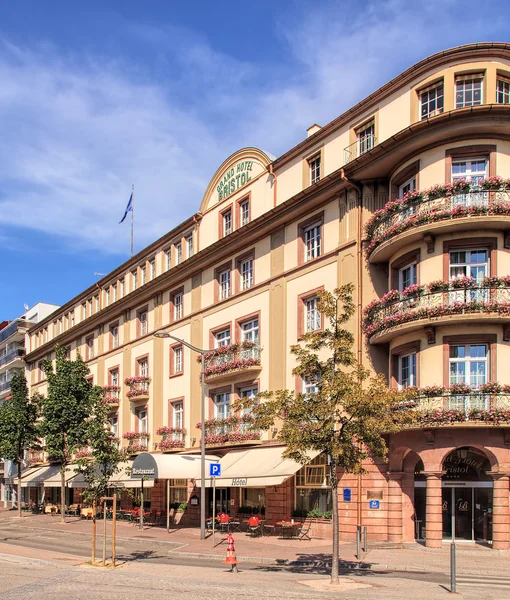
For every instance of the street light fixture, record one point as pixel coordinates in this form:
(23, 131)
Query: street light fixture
(162, 333)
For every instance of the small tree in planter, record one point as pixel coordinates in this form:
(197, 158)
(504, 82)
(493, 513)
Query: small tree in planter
(18, 430)
(348, 415)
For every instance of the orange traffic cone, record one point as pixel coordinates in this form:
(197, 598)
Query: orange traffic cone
(231, 554)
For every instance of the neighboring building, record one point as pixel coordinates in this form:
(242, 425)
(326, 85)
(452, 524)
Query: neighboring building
(240, 278)
(12, 359)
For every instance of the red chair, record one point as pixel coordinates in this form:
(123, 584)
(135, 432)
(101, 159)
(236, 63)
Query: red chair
(254, 526)
(224, 522)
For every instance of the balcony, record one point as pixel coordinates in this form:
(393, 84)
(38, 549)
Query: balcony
(173, 438)
(84, 453)
(137, 441)
(453, 207)
(457, 405)
(222, 362)
(5, 386)
(360, 147)
(138, 388)
(449, 302)
(36, 457)
(12, 355)
(13, 328)
(112, 395)
(232, 430)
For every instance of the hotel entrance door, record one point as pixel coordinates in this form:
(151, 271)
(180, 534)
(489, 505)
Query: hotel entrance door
(467, 511)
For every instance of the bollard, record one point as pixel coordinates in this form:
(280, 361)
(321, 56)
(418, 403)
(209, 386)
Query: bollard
(365, 542)
(453, 569)
(358, 542)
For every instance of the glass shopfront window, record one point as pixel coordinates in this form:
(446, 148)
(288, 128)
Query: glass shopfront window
(313, 492)
(308, 499)
(178, 492)
(253, 500)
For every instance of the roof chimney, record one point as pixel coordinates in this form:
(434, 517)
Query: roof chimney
(313, 129)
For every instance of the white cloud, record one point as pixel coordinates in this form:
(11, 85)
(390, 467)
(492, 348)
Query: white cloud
(78, 130)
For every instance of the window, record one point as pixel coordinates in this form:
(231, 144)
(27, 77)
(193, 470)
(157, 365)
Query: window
(313, 318)
(143, 367)
(121, 287)
(96, 303)
(143, 324)
(177, 363)
(312, 239)
(473, 170)
(222, 405)
(222, 338)
(134, 280)
(152, 269)
(406, 370)
(114, 335)
(226, 220)
(177, 306)
(244, 212)
(114, 292)
(407, 276)
(177, 414)
(468, 91)
(432, 101)
(365, 138)
(503, 91)
(143, 275)
(189, 246)
(72, 318)
(250, 331)
(309, 385)
(114, 377)
(142, 423)
(469, 263)
(83, 311)
(247, 392)
(107, 296)
(224, 284)
(178, 253)
(168, 259)
(113, 423)
(89, 350)
(246, 273)
(408, 186)
(468, 364)
(315, 168)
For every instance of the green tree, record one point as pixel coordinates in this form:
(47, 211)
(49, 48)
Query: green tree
(18, 431)
(65, 411)
(103, 463)
(348, 415)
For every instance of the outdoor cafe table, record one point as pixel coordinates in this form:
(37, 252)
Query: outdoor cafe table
(288, 526)
(50, 509)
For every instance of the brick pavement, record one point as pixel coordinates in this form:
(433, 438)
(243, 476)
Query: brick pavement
(409, 557)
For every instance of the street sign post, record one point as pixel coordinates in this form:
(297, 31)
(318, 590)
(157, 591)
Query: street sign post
(214, 471)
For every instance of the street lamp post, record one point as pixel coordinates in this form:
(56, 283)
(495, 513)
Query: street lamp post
(162, 333)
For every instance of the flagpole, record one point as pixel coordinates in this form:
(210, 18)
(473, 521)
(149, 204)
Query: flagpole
(132, 215)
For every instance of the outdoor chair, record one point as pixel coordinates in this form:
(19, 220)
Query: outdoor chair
(304, 533)
(254, 527)
(270, 528)
(235, 525)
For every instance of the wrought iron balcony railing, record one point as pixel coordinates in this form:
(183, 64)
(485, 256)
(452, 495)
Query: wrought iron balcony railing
(230, 429)
(360, 147)
(232, 358)
(436, 304)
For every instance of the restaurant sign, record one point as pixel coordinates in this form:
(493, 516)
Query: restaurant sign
(144, 467)
(236, 177)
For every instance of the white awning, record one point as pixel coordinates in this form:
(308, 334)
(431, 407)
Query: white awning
(46, 476)
(26, 477)
(256, 467)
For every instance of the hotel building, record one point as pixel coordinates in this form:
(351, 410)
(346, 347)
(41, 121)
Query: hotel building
(406, 195)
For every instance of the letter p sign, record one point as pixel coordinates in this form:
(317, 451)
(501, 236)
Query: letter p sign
(214, 470)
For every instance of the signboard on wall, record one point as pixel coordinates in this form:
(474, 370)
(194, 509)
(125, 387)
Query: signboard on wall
(374, 494)
(236, 177)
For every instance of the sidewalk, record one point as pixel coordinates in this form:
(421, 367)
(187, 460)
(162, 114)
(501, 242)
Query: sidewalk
(276, 551)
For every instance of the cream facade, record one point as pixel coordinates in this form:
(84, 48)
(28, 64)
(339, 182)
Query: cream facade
(406, 189)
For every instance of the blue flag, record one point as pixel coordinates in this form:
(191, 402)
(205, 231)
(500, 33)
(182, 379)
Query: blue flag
(128, 208)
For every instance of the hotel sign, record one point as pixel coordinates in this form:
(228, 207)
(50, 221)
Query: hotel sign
(236, 177)
(239, 482)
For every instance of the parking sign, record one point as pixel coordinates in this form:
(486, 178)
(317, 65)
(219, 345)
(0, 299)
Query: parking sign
(214, 470)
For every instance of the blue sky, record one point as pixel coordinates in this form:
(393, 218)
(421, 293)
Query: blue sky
(99, 95)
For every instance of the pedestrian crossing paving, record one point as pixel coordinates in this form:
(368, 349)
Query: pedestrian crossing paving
(493, 581)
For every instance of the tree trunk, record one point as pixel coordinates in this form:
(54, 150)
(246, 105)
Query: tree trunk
(63, 494)
(19, 489)
(336, 550)
(93, 554)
